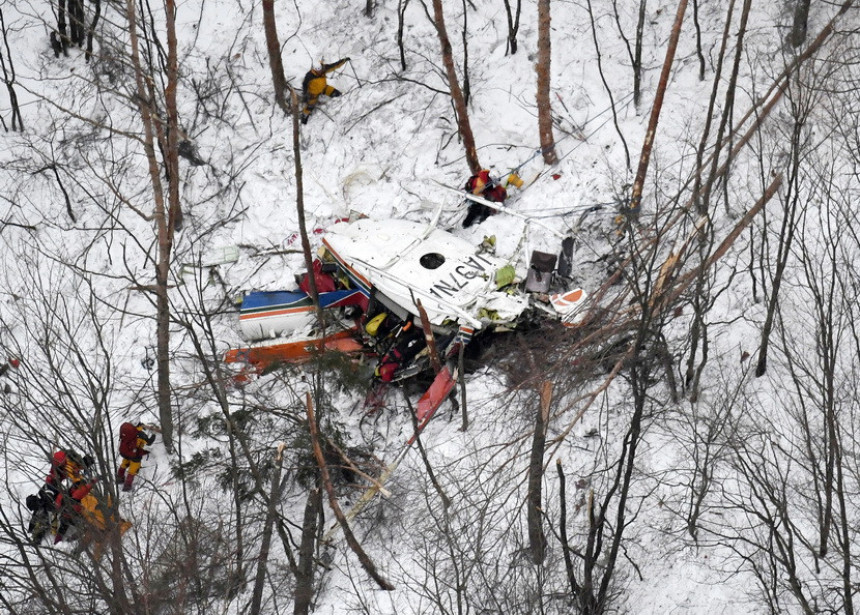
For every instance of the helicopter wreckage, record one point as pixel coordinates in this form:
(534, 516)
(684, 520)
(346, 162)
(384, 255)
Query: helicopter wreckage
(408, 295)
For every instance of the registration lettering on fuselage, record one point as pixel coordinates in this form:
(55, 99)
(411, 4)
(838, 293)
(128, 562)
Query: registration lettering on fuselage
(475, 266)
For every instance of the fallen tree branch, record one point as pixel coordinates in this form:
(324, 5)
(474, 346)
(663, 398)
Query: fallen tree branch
(351, 540)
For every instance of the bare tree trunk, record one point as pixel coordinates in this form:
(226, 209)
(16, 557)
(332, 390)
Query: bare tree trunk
(166, 228)
(61, 23)
(513, 24)
(645, 157)
(304, 591)
(300, 208)
(702, 195)
(699, 53)
(273, 47)
(351, 540)
(435, 361)
(166, 210)
(9, 80)
(91, 31)
(368, 9)
(575, 589)
(712, 101)
(547, 142)
(457, 98)
(637, 54)
(786, 239)
(606, 83)
(268, 526)
(801, 19)
(401, 16)
(467, 86)
(537, 539)
(728, 107)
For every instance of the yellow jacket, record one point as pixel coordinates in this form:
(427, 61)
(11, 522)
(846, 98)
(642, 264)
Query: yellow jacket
(315, 83)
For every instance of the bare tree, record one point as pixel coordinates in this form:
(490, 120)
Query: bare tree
(537, 540)
(513, 16)
(635, 53)
(547, 142)
(457, 98)
(609, 93)
(793, 205)
(799, 25)
(9, 80)
(273, 47)
(645, 157)
(168, 212)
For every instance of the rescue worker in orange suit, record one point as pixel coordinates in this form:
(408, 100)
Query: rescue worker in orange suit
(61, 469)
(315, 85)
(66, 465)
(132, 440)
(68, 505)
(484, 186)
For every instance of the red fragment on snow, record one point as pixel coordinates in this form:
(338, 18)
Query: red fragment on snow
(14, 363)
(556, 175)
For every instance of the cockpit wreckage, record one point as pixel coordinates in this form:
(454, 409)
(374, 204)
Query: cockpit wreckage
(406, 294)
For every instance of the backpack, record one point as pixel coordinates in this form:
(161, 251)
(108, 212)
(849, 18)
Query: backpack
(128, 440)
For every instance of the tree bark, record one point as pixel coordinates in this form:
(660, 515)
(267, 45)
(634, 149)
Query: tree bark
(268, 526)
(457, 98)
(351, 540)
(537, 539)
(91, 31)
(699, 53)
(9, 80)
(300, 209)
(645, 157)
(547, 142)
(167, 213)
(637, 54)
(401, 17)
(273, 47)
(801, 19)
(304, 591)
(513, 24)
(435, 361)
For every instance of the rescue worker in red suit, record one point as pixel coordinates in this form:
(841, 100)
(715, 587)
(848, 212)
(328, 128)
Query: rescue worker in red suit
(484, 186)
(132, 440)
(66, 465)
(68, 505)
(60, 471)
(43, 503)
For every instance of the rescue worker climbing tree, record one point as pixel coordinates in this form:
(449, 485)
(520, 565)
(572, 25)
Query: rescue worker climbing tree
(315, 85)
(132, 440)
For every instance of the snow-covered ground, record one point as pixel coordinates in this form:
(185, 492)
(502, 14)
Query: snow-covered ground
(79, 246)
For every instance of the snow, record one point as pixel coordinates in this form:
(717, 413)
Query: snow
(76, 312)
